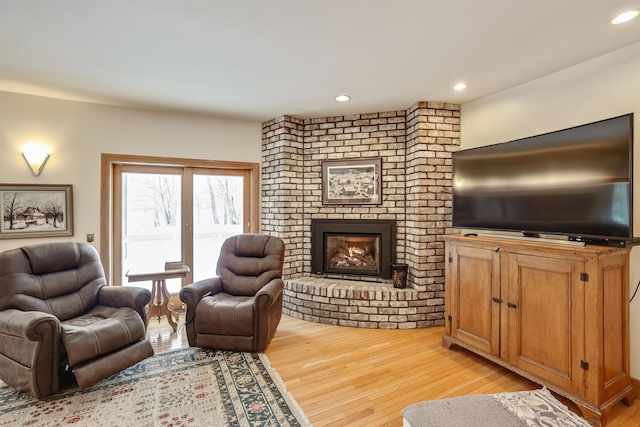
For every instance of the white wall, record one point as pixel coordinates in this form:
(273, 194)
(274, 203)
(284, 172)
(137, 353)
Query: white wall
(77, 133)
(601, 88)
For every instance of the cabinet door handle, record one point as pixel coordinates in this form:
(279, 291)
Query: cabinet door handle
(497, 299)
(511, 305)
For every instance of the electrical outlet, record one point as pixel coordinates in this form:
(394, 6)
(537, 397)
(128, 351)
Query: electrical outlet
(89, 237)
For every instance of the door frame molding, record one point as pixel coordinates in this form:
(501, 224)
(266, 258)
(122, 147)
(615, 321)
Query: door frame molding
(107, 163)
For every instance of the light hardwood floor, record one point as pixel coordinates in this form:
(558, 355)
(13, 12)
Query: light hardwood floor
(364, 377)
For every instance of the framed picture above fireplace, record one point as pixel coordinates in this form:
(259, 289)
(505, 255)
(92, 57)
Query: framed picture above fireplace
(352, 182)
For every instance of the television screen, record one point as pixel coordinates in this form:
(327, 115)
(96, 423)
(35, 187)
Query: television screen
(575, 182)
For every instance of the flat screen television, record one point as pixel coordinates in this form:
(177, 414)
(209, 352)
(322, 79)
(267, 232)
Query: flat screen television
(575, 182)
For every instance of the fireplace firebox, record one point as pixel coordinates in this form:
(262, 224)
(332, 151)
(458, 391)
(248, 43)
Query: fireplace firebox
(353, 247)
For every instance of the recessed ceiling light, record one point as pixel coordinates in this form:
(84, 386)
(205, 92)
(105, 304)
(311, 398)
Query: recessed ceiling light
(626, 16)
(460, 86)
(343, 98)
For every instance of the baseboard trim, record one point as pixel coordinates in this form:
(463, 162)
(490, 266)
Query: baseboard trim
(635, 383)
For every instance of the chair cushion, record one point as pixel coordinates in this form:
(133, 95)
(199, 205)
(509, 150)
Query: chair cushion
(248, 262)
(224, 314)
(101, 331)
(62, 279)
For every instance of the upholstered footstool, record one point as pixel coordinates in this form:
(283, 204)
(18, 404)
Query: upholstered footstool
(518, 409)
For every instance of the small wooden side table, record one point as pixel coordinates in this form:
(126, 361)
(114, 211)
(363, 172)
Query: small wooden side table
(159, 304)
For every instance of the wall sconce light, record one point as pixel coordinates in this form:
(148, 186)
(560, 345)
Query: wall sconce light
(36, 156)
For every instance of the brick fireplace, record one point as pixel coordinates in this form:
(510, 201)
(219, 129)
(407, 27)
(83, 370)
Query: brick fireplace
(415, 146)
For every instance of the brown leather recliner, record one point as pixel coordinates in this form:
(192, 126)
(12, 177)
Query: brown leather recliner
(241, 308)
(56, 310)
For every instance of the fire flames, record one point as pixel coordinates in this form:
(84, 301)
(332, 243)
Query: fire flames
(354, 257)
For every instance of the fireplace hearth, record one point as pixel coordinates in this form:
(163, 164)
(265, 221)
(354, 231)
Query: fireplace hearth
(353, 247)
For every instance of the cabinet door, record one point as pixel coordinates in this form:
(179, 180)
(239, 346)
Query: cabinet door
(545, 320)
(475, 283)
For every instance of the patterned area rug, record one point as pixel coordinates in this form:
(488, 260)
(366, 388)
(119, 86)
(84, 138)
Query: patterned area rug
(188, 387)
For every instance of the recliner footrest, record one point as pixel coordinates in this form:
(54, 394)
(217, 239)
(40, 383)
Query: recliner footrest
(101, 331)
(105, 366)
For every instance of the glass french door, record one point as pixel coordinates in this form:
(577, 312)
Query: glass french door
(218, 213)
(176, 214)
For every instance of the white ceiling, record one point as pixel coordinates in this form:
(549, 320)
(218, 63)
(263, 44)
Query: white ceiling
(256, 60)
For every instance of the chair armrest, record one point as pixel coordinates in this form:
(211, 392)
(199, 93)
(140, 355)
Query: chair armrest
(268, 306)
(125, 296)
(191, 296)
(29, 325)
(29, 348)
(270, 292)
(193, 293)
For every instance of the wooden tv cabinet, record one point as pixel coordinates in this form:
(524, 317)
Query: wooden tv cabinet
(555, 314)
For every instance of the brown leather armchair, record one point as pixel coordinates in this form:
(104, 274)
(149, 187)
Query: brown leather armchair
(241, 308)
(56, 312)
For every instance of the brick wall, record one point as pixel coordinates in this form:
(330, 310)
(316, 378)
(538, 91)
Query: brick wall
(415, 146)
(282, 187)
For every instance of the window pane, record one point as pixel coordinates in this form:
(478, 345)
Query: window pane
(151, 224)
(217, 215)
